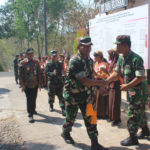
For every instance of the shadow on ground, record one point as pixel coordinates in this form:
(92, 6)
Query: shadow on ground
(120, 148)
(38, 146)
(14, 146)
(54, 120)
(81, 146)
(4, 91)
(140, 147)
(143, 147)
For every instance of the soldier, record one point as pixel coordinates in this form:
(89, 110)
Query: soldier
(16, 68)
(53, 70)
(30, 77)
(21, 57)
(79, 91)
(130, 68)
(43, 77)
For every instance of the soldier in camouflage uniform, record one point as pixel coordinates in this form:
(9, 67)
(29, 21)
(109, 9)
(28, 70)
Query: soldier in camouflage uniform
(16, 68)
(30, 78)
(79, 91)
(130, 68)
(21, 57)
(53, 70)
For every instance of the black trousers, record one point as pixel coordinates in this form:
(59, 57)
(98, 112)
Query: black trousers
(31, 95)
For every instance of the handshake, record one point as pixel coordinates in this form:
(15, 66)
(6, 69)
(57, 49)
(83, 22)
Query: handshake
(102, 83)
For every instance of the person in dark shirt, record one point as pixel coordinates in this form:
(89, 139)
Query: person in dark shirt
(30, 78)
(16, 68)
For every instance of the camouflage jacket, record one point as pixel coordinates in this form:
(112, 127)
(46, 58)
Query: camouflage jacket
(78, 68)
(50, 67)
(30, 73)
(15, 64)
(130, 67)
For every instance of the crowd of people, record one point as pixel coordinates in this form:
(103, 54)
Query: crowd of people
(94, 87)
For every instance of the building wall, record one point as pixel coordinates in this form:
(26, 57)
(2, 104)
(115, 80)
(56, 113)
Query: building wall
(131, 4)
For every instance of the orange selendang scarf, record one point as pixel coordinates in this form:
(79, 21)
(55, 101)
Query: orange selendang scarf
(90, 112)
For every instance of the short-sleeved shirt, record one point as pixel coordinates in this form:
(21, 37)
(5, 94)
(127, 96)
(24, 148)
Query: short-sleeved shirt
(78, 68)
(130, 66)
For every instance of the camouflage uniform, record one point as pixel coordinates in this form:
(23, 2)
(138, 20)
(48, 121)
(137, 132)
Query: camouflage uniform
(55, 84)
(130, 67)
(77, 95)
(16, 69)
(19, 65)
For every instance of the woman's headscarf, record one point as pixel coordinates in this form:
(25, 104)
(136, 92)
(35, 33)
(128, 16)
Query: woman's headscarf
(114, 58)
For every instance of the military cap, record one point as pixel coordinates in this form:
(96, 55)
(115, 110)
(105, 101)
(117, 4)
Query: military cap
(122, 39)
(85, 41)
(53, 52)
(29, 50)
(17, 55)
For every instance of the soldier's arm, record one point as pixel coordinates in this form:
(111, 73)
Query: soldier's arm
(48, 70)
(134, 82)
(21, 76)
(115, 75)
(91, 82)
(117, 72)
(139, 75)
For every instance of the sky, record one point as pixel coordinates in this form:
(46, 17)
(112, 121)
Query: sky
(2, 2)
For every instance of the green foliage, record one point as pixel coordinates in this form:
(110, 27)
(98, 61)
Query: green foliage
(2, 67)
(21, 26)
(80, 33)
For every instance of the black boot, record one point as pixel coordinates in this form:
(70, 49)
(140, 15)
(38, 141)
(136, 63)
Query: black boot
(144, 133)
(130, 141)
(51, 109)
(96, 146)
(67, 137)
(31, 120)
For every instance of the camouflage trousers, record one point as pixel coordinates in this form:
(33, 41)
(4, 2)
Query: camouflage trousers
(71, 113)
(16, 76)
(136, 113)
(55, 90)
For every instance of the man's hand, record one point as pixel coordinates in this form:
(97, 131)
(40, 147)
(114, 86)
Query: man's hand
(124, 87)
(101, 83)
(54, 72)
(22, 88)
